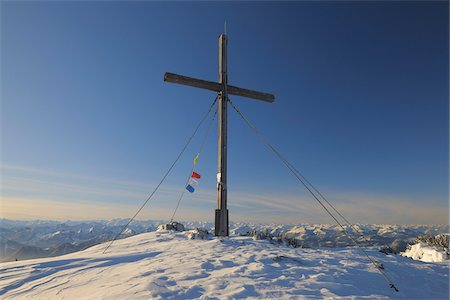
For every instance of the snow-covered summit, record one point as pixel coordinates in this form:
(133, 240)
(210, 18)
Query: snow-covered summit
(168, 265)
(426, 253)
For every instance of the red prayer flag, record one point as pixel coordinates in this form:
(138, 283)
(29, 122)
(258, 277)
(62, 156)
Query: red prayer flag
(195, 175)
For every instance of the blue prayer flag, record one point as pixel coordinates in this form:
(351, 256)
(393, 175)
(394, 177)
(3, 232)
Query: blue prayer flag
(190, 188)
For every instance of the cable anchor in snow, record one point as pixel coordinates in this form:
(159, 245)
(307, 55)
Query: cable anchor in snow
(392, 286)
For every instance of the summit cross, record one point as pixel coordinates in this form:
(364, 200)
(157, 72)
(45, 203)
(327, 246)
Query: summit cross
(223, 89)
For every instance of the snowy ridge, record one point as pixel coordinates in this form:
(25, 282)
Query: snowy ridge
(34, 239)
(168, 265)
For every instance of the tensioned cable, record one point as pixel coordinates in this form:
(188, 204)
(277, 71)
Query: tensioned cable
(356, 230)
(352, 226)
(289, 166)
(193, 166)
(165, 175)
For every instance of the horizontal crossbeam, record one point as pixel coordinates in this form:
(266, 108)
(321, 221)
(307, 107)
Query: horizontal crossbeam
(217, 87)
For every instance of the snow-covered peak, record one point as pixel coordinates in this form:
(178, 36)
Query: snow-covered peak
(56, 233)
(426, 253)
(169, 265)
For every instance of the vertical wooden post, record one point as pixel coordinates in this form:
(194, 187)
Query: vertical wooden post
(221, 221)
(222, 87)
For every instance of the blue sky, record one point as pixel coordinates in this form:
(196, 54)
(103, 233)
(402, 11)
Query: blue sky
(89, 127)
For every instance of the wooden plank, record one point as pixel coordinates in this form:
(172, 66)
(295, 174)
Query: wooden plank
(233, 90)
(216, 87)
(198, 83)
(221, 221)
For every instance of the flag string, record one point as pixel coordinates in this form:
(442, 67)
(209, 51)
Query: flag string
(193, 177)
(166, 174)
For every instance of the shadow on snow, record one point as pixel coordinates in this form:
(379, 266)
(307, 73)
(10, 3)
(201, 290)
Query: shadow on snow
(42, 270)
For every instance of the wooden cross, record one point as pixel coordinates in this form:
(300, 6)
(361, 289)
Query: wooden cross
(223, 89)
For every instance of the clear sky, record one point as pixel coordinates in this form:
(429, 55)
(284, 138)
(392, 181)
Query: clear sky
(88, 126)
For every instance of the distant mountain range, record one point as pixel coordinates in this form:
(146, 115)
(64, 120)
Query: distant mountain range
(34, 239)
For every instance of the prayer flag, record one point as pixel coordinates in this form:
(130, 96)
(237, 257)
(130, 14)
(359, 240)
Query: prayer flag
(193, 181)
(195, 159)
(195, 175)
(190, 188)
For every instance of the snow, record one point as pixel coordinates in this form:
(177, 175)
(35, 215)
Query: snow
(56, 233)
(16, 237)
(198, 233)
(423, 252)
(128, 231)
(166, 264)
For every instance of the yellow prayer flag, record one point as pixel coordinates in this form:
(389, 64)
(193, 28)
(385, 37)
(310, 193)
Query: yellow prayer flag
(195, 159)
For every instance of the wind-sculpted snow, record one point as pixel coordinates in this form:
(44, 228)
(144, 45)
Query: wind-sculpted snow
(33, 239)
(168, 265)
(425, 253)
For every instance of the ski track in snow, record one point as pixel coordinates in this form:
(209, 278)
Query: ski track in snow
(167, 265)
